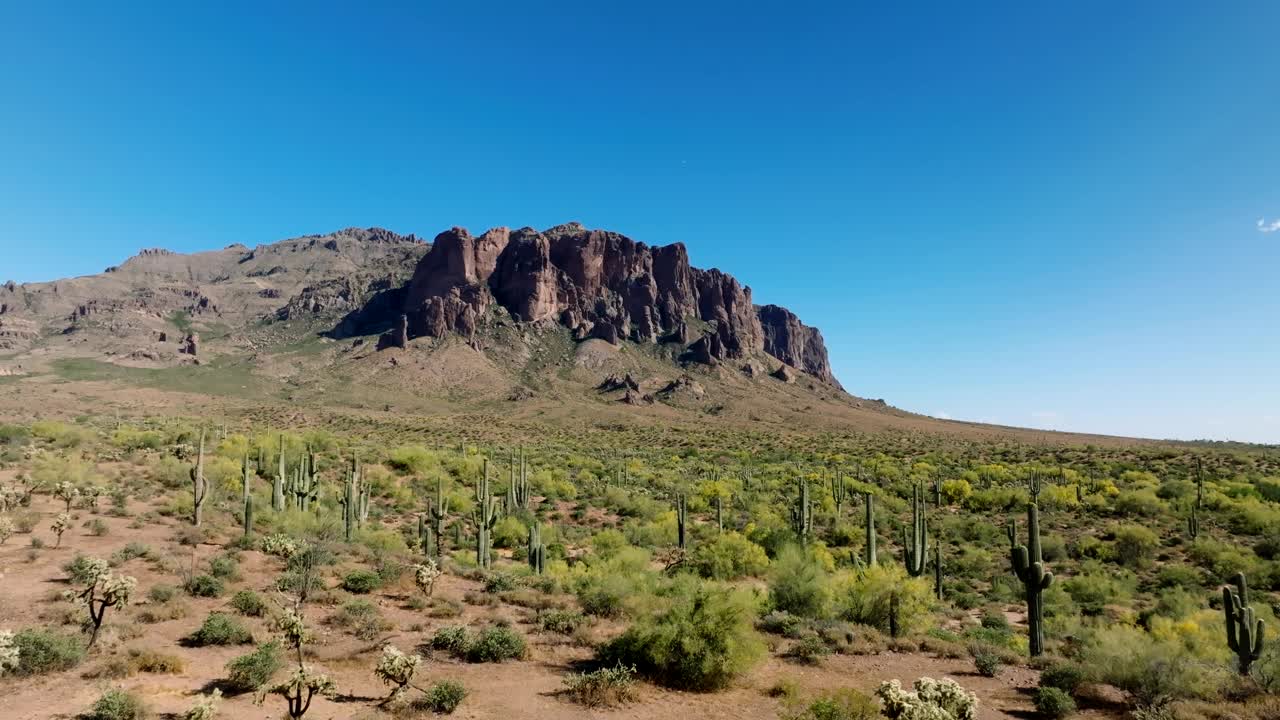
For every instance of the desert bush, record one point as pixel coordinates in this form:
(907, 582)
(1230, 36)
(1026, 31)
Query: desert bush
(935, 699)
(1150, 669)
(605, 687)
(81, 569)
(451, 639)
(867, 597)
(564, 622)
(495, 644)
(42, 651)
(1054, 703)
(500, 582)
(701, 641)
(1065, 676)
(1134, 545)
(151, 661)
(205, 707)
(220, 629)
(133, 549)
(841, 704)
(986, 660)
(809, 649)
(206, 586)
(249, 672)
(224, 567)
(444, 697)
(361, 582)
(605, 586)
(250, 603)
(727, 557)
(117, 704)
(799, 584)
(361, 617)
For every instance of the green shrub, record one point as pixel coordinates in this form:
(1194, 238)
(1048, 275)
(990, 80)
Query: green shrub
(986, 661)
(224, 567)
(203, 586)
(799, 584)
(444, 697)
(150, 661)
(79, 569)
(1135, 545)
(361, 582)
(867, 597)
(495, 644)
(1065, 676)
(500, 582)
(42, 651)
(220, 629)
(117, 704)
(605, 687)
(1054, 703)
(248, 602)
(451, 639)
(810, 649)
(842, 704)
(728, 557)
(702, 641)
(249, 672)
(778, 622)
(564, 622)
(162, 593)
(361, 617)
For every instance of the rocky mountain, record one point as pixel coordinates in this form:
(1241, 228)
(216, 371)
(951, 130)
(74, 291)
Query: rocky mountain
(597, 284)
(161, 308)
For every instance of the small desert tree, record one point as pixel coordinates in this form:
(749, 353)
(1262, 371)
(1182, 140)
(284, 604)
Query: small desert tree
(103, 589)
(61, 524)
(300, 688)
(396, 670)
(66, 492)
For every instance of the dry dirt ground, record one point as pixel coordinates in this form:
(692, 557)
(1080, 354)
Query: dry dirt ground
(526, 689)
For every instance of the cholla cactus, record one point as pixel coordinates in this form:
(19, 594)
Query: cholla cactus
(299, 689)
(932, 700)
(67, 493)
(61, 524)
(103, 589)
(6, 529)
(396, 669)
(206, 707)
(294, 628)
(91, 495)
(8, 498)
(425, 576)
(280, 545)
(8, 652)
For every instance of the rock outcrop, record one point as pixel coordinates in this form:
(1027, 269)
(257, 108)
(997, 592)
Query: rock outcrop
(599, 284)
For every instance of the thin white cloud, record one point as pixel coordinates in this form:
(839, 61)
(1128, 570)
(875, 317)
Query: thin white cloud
(1268, 227)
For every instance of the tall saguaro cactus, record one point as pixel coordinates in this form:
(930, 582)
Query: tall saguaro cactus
(868, 503)
(350, 500)
(244, 482)
(1199, 483)
(839, 490)
(682, 518)
(1244, 630)
(937, 570)
(485, 517)
(277, 485)
(802, 513)
(719, 513)
(248, 515)
(537, 550)
(438, 512)
(915, 542)
(199, 488)
(518, 492)
(1028, 566)
(1193, 524)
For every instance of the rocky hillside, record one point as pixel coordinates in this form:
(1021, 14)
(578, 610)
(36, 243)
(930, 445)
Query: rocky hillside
(161, 308)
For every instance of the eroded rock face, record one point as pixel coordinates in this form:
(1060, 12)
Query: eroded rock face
(599, 284)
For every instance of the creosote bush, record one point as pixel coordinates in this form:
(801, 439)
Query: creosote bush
(220, 629)
(444, 697)
(604, 687)
(250, 672)
(117, 704)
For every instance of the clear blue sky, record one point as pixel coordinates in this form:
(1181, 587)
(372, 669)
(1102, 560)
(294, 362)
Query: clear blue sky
(1045, 214)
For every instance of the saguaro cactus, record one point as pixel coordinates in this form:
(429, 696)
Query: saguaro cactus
(1199, 483)
(1193, 524)
(1244, 630)
(937, 570)
(868, 504)
(350, 499)
(1028, 566)
(438, 512)
(915, 542)
(485, 517)
(719, 513)
(802, 513)
(682, 517)
(277, 486)
(199, 488)
(537, 551)
(244, 467)
(518, 493)
(838, 489)
(1035, 483)
(248, 515)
